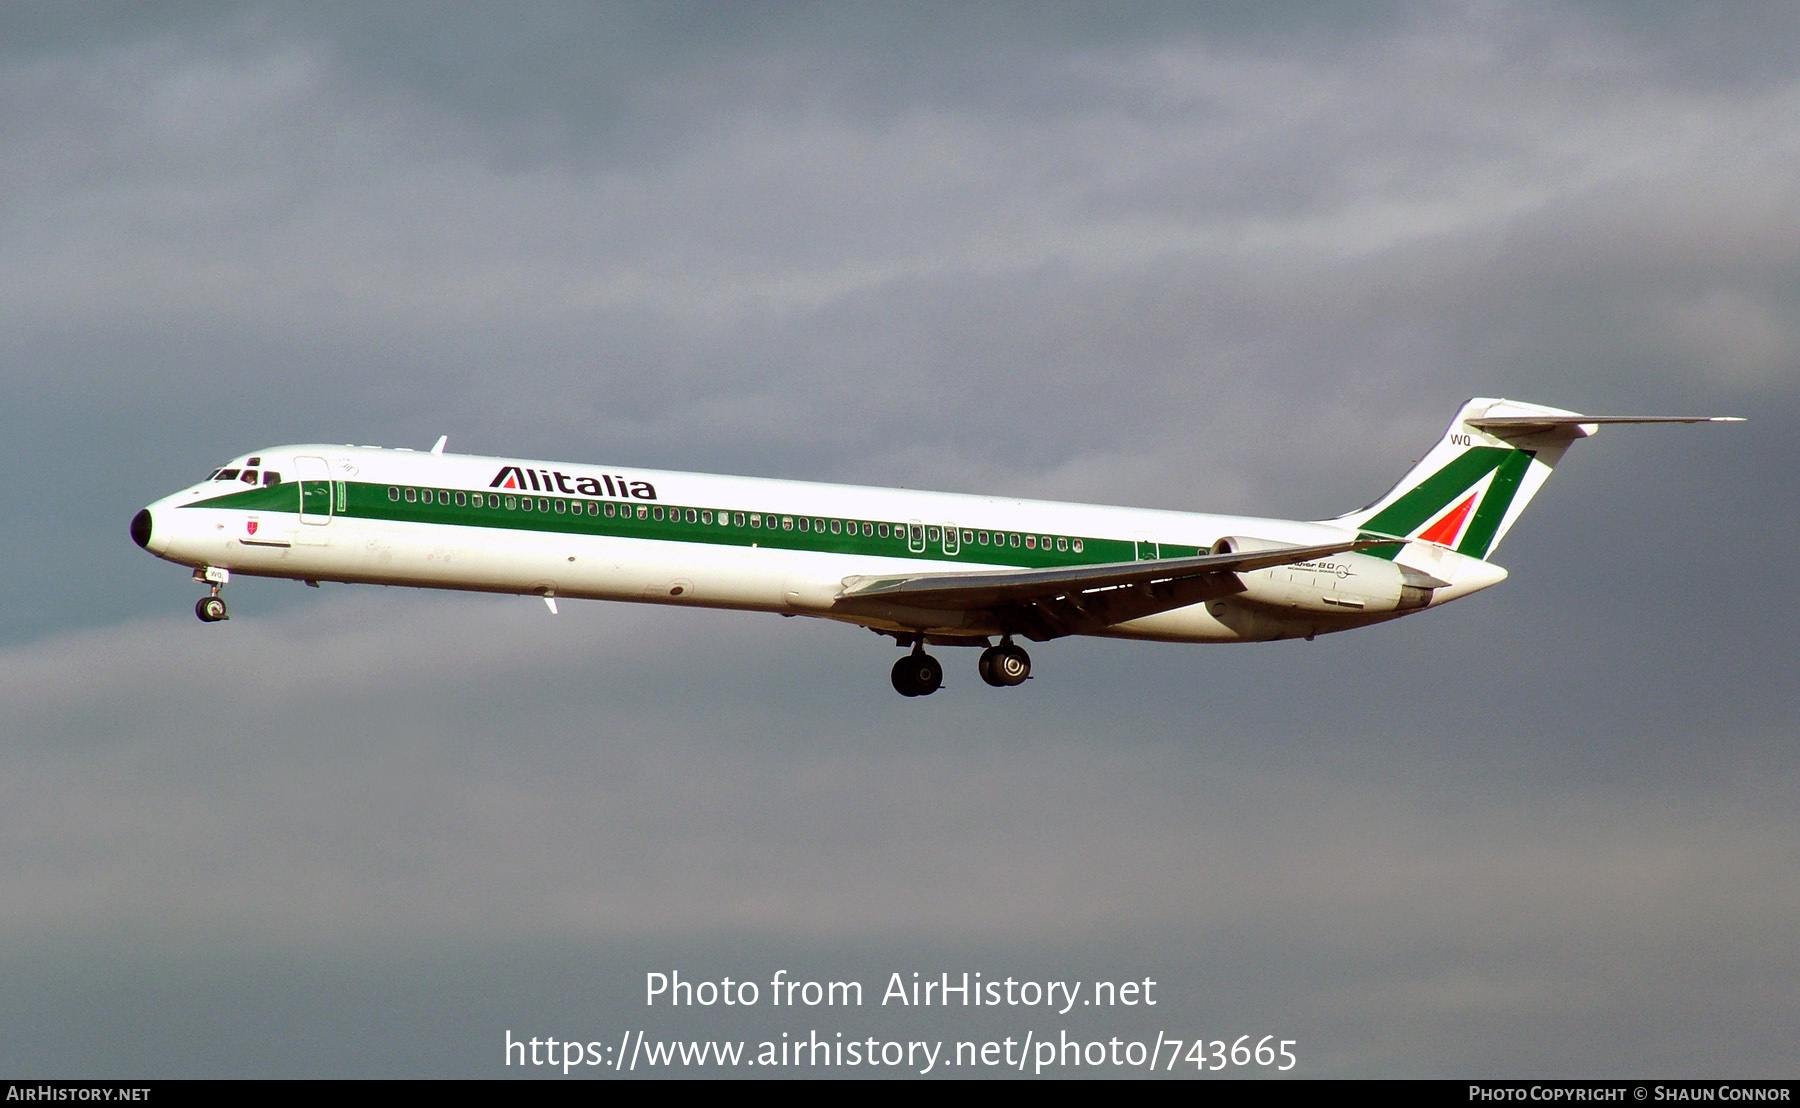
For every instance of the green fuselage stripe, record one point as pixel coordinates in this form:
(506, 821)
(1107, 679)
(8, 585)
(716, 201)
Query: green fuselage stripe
(1433, 495)
(636, 519)
(1492, 511)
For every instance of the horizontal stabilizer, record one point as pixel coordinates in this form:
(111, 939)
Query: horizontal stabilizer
(1501, 425)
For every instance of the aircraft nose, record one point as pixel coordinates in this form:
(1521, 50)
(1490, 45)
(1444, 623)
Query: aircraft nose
(140, 528)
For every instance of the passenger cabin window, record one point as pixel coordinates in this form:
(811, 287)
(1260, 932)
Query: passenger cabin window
(412, 495)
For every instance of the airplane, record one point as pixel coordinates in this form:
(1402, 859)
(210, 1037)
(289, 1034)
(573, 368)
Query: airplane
(924, 568)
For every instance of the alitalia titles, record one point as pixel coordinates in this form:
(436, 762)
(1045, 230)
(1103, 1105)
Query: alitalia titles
(555, 480)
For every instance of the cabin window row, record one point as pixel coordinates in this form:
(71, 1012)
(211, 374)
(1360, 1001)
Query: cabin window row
(614, 510)
(706, 517)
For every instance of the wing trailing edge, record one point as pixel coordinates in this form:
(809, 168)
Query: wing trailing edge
(1050, 603)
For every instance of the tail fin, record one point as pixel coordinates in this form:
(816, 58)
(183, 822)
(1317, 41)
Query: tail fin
(1466, 493)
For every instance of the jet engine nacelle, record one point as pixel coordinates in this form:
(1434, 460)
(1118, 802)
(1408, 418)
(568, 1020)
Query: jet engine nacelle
(1341, 584)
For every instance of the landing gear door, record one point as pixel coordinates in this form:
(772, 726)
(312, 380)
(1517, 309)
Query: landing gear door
(315, 491)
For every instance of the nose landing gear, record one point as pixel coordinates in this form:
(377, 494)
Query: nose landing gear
(211, 609)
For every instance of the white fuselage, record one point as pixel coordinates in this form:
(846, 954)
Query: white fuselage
(358, 514)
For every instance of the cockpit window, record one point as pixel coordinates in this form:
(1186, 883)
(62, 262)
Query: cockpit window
(270, 477)
(249, 477)
(213, 475)
(254, 462)
(226, 475)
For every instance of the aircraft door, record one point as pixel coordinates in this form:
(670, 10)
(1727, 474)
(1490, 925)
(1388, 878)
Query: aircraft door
(952, 542)
(315, 491)
(915, 537)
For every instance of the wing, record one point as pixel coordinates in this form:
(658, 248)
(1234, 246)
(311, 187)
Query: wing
(1049, 603)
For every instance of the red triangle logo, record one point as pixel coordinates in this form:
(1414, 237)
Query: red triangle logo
(1444, 531)
(511, 482)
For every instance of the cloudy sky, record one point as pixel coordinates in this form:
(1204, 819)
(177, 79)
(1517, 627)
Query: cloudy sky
(1235, 259)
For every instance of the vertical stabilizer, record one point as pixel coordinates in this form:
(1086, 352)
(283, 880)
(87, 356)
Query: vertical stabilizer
(1465, 494)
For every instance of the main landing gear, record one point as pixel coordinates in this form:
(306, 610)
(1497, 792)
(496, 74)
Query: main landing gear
(211, 609)
(919, 674)
(1005, 665)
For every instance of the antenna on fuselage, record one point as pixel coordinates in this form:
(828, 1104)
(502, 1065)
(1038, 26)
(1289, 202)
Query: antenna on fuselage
(438, 447)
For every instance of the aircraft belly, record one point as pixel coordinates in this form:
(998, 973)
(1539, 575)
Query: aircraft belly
(572, 566)
(1193, 623)
(1230, 620)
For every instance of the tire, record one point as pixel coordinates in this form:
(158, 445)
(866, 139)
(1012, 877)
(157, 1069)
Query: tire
(210, 609)
(918, 675)
(1011, 666)
(985, 667)
(904, 683)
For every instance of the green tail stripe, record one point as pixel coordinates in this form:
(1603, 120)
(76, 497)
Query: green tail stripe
(1492, 509)
(1432, 495)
